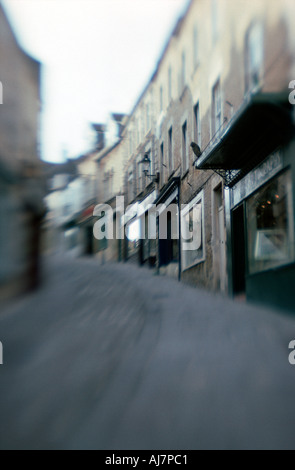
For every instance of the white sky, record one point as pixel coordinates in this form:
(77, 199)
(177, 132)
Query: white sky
(97, 57)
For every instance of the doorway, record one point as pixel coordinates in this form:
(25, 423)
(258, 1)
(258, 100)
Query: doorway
(239, 251)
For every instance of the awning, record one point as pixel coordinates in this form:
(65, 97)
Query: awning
(260, 126)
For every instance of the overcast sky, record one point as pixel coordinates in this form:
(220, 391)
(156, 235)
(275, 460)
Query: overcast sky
(97, 57)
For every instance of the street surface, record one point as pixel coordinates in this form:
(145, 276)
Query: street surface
(114, 357)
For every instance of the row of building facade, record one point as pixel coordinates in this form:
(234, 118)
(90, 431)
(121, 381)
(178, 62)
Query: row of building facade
(223, 83)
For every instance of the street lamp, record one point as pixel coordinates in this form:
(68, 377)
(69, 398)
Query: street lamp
(146, 162)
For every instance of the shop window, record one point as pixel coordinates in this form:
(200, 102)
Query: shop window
(192, 233)
(270, 225)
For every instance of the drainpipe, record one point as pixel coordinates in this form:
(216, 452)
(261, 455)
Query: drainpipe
(179, 238)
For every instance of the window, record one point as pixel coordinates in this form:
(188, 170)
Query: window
(253, 57)
(152, 165)
(216, 110)
(170, 150)
(197, 125)
(270, 225)
(170, 84)
(195, 47)
(193, 233)
(135, 178)
(140, 175)
(162, 163)
(185, 159)
(130, 185)
(183, 70)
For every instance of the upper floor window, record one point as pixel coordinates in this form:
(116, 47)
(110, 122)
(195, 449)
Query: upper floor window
(170, 150)
(197, 125)
(130, 185)
(253, 57)
(185, 154)
(139, 174)
(162, 163)
(216, 109)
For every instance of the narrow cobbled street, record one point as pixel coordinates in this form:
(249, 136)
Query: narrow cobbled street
(105, 357)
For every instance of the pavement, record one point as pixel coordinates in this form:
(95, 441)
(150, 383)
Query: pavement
(113, 357)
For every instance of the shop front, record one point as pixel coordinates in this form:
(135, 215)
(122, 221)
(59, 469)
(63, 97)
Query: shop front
(262, 232)
(256, 158)
(139, 246)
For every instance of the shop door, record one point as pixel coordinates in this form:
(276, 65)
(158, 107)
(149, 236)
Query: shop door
(239, 251)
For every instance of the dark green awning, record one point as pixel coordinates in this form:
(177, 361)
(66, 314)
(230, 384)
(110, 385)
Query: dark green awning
(260, 126)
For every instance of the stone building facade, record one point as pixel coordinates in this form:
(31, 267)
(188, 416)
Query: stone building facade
(222, 83)
(21, 184)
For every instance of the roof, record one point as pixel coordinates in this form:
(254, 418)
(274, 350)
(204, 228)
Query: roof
(104, 152)
(98, 127)
(118, 116)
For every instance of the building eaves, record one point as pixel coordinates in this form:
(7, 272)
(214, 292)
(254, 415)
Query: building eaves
(103, 153)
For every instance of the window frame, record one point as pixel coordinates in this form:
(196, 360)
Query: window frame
(185, 151)
(290, 212)
(200, 198)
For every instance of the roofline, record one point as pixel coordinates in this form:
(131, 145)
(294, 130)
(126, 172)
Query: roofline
(175, 32)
